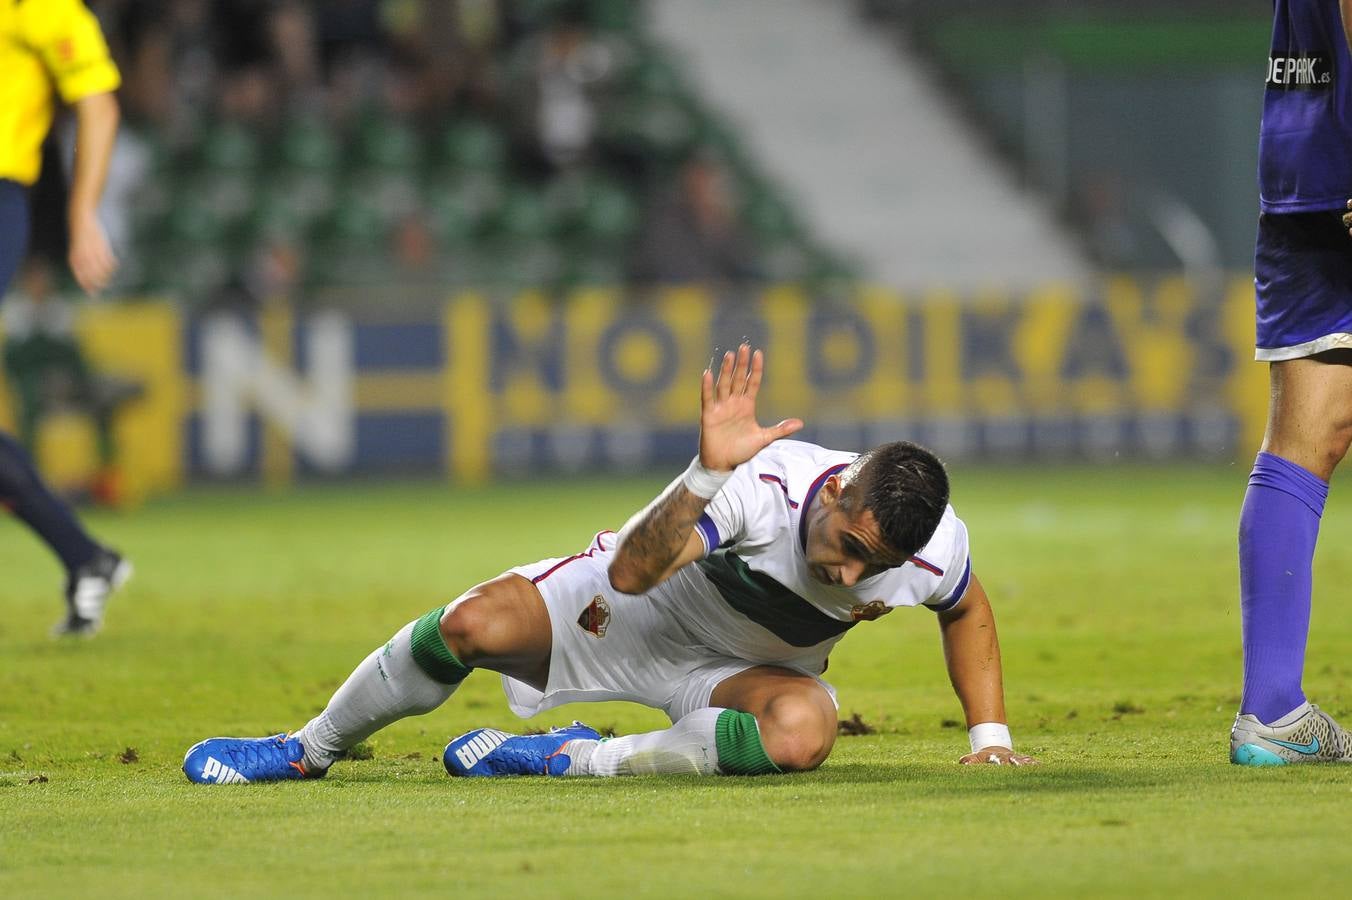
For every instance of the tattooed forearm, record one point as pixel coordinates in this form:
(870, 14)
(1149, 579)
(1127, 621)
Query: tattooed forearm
(654, 538)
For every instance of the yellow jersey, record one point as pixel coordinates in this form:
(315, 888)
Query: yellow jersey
(45, 43)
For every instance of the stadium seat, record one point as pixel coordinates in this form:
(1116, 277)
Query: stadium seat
(615, 15)
(230, 145)
(309, 143)
(460, 208)
(472, 145)
(306, 195)
(593, 211)
(343, 193)
(525, 214)
(768, 218)
(386, 143)
(660, 131)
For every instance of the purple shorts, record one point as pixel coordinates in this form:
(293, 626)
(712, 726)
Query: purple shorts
(1303, 275)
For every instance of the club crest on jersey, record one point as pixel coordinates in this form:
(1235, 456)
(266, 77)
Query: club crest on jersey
(595, 617)
(867, 612)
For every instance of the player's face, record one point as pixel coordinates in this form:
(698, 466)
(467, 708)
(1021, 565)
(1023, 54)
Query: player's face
(845, 549)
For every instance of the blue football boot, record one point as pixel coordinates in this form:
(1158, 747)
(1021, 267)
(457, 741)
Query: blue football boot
(241, 760)
(487, 751)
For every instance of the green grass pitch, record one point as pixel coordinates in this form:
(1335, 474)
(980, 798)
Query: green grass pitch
(1114, 588)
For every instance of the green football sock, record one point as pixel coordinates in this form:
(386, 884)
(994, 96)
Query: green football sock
(738, 740)
(411, 674)
(431, 653)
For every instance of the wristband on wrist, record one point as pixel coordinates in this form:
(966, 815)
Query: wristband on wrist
(989, 734)
(703, 482)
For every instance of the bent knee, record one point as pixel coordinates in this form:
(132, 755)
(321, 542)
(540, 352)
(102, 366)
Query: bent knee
(464, 627)
(797, 733)
(484, 623)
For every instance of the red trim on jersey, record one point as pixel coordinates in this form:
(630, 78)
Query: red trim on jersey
(596, 546)
(928, 566)
(776, 480)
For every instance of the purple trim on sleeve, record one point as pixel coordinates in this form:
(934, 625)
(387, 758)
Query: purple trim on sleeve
(709, 531)
(958, 592)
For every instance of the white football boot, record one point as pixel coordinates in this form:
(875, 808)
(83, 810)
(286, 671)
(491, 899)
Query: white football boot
(1304, 735)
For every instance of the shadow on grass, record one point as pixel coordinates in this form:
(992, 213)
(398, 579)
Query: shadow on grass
(946, 779)
(953, 779)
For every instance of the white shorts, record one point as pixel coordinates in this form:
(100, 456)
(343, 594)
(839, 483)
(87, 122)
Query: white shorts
(613, 646)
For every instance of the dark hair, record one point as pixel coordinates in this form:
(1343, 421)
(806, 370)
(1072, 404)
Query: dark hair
(904, 486)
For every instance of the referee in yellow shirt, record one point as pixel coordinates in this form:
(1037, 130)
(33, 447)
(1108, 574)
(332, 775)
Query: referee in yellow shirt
(46, 44)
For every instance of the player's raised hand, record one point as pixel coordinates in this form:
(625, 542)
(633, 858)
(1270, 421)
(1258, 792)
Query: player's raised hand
(729, 434)
(997, 756)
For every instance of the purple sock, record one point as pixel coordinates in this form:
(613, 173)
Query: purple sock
(1278, 526)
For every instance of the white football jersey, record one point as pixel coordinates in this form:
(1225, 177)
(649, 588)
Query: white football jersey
(752, 597)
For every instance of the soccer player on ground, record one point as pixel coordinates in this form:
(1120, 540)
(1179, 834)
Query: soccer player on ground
(1303, 269)
(718, 604)
(41, 43)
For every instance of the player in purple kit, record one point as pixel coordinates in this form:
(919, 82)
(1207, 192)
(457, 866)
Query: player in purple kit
(1303, 275)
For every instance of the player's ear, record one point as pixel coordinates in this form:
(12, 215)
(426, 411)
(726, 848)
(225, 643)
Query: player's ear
(830, 490)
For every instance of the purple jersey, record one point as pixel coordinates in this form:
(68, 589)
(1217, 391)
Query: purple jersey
(1305, 142)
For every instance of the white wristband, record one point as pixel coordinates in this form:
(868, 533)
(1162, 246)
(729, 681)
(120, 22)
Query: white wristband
(703, 482)
(989, 734)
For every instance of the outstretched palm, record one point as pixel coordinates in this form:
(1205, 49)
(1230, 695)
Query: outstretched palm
(729, 434)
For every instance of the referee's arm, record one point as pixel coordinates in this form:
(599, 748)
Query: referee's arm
(68, 39)
(91, 258)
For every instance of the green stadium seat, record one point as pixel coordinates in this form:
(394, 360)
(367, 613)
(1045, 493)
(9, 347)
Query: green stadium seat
(386, 143)
(538, 13)
(309, 143)
(525, 214)
(472, 145)
(769, 218)
(661, 130)
(275, 216)
(190, 270)
(615, 15)
(307, 194)
(611, 214)
(593, 269)
(356, 219)
(656, 76)
(229, 194)
(230, 145)
(393, 193)
(593, 210)
(518, 264)
(193, 221)
(461, 208)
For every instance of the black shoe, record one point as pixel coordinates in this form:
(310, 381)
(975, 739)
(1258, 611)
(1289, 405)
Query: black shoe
(87, 593)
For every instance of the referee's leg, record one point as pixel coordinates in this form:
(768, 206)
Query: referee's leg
(22, 490)
(13, 230)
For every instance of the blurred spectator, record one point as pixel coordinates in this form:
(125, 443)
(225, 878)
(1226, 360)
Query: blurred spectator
(415, 249)
(691, 233)
(1103, 201)
(556, 86)
(279, 145)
